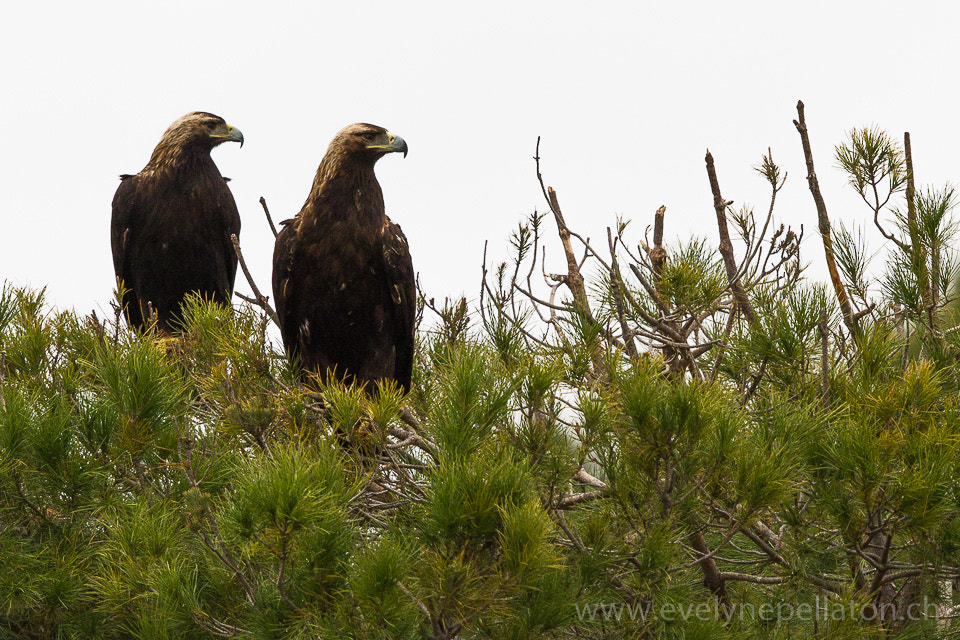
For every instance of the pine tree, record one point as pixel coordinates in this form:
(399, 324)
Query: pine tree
(661, 441)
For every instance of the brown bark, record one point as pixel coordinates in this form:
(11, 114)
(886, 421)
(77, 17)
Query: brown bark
(916, 238)
(616, 286)
(824, 224)
(712, 578)
(726, 247)
(574, 278)
(658, 255)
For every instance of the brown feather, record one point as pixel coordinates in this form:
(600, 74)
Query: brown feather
(343, 279)
(171, 226)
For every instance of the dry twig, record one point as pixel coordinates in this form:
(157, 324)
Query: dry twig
(266, 212)
(258, 298)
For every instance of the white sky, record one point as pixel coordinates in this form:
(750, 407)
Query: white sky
(627, 96)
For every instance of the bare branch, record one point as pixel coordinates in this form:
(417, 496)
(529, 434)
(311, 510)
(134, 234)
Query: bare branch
(726, 247)
(824, 222)
(266, 211)
(585, 478)
(578, 498)
(616, 290)
(258, 298)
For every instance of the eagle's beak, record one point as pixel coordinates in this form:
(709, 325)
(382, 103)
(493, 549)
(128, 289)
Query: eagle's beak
(396, 143)
(228, 133)
(234, 135)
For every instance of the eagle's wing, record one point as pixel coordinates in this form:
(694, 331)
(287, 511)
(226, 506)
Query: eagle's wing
(231, 222)
(283, 293)
(124, 222)
(401, 281)
(124, 215)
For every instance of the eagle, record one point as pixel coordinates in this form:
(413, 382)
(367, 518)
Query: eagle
(343, 280)
(171, 224)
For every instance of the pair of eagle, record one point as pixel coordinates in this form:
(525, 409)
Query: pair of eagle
(343, 280)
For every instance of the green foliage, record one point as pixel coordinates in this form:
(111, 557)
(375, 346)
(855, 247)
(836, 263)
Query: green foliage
(872, 161)
(670, 449)
(694, 277)
(470, 398)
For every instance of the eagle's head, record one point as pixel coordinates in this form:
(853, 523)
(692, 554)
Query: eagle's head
(200, 130)
(368, 141)
(347, 166)
(190, 139)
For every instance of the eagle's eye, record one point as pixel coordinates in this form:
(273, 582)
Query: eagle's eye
(368, 135)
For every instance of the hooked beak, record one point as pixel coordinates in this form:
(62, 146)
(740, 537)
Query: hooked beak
(397, 143)
(394, 144)
(235, 135)
(229, 134)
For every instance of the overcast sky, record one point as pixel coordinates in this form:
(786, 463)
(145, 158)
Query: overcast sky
(626, 96)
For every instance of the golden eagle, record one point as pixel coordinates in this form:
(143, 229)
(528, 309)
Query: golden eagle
(343, 281)
(171, 225)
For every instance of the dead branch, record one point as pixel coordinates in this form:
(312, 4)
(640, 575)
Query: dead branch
(726, 247)
(824, 223)
(585, 478)
(258, 298)
(217, 627)
(416, 601)
(749, 577)
(658, 255)
(917, 244)
(412, 434)
(575, 499)
(616, 289)
(266, 211)
(573, 279)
